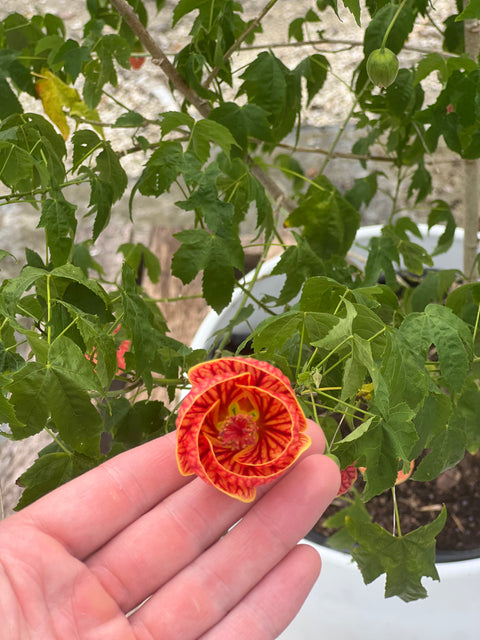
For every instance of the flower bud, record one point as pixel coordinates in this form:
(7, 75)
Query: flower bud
(382, 67)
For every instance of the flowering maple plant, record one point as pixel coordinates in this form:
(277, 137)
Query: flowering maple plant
(383, 354)
(240, 426)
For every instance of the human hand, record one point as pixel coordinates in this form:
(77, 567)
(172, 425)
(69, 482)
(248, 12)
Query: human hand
(73, 564)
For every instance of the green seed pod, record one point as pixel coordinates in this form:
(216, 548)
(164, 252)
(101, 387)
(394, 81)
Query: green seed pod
(382, 67)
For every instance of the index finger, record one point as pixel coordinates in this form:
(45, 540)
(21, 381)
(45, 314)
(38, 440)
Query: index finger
(88, 511)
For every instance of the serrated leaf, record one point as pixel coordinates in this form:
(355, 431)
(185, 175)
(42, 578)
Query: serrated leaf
(137, 255)
(29, 397)
(56, 96)
(139, 322)
(9, 102)
(206, 132)
(49, 472)
(380, 22)
(270, 85)
(404, 559)
(7, 414)
(192, 256)
(471, 11)
(329, 221)
(314, 69)
(430, 63)
(354, 7)
(161, 169)
(58, 220)
(451, 336)
(172, 120)
(441, 213)
(129, 119)
(447, 449)
(298, 263)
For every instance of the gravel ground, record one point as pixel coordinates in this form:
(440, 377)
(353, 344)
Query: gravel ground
(148, 92)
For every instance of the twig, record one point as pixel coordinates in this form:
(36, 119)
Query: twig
(202, 106)
(242, 37)
(159, 58)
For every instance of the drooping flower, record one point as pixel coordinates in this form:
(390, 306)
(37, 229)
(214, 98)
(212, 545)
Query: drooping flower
(240, 426)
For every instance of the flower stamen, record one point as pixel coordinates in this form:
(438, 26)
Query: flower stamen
(239, 431)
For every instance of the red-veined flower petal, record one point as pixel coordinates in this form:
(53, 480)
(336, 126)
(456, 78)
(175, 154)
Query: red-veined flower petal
(240, 426)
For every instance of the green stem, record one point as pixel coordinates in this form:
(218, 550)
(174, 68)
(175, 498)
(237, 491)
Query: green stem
(49, 312)
(396, 521)
(57, 440)
(477, 320)
(354, 408)
(392, 22)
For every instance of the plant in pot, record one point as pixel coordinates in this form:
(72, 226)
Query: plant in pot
(380, 345)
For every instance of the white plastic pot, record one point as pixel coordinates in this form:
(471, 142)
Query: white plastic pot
(341, 606)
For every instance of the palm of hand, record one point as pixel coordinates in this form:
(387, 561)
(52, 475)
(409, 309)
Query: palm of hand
(76, 562)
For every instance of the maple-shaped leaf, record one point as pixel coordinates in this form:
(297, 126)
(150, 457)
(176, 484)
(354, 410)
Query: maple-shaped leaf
(56, 96)
(405, 559)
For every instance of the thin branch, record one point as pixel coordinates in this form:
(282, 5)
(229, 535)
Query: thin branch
(341, 41)
(242, 37)
(159, 58)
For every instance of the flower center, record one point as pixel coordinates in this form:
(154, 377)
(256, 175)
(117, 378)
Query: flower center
(239, 431)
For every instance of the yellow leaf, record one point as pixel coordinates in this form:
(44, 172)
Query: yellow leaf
(57, 97)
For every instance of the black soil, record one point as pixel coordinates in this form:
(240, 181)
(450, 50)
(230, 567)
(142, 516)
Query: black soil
(420, 502)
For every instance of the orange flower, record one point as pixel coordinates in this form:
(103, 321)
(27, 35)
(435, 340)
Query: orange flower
(240, 426)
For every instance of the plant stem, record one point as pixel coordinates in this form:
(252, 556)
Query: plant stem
(203, 107)
(241, 38)
(396, 514)
(389, 28)
(57, 440)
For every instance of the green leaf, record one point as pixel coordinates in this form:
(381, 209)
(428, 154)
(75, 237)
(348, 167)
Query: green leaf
(30, 399)
(356, 367)
(49, 472)
(172, 120)
(141, 326)
(137, 255)
(193, 254)
(129, 119)
(272, 333)
(9, 102)
(471, 11)
(298, 262)
(382, 255)
(206, 132)
(465, 416)
(329, 221)
(161, 169)
(357, 511)
(7, 414)
(378, 444)
(134, 424)
(428, 64)
(314, 69)
(186, 6)
(58, 219)
(441, 213)
(354, 7)
(377, 27)
(404, 559)
(451, 336)
(447, 449)
(270, 85)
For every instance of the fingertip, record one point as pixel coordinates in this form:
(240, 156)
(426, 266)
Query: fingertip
(317, 437)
